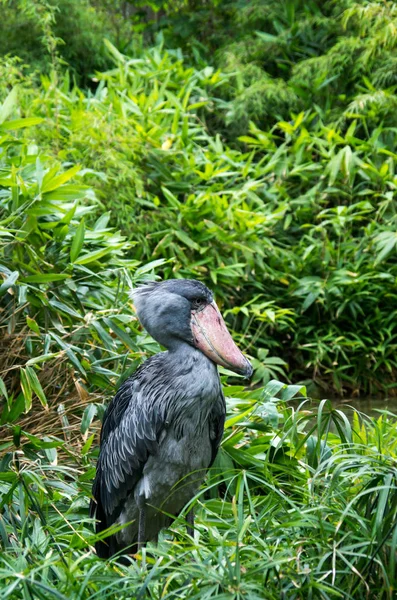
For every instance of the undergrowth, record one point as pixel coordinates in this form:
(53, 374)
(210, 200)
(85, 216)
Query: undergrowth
(300, 503)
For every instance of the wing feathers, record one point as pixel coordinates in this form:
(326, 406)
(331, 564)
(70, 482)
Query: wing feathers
(129, 434)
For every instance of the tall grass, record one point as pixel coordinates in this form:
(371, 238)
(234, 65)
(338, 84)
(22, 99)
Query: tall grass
(300, 504)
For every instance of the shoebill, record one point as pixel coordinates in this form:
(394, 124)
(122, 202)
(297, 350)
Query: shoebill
(162, 430)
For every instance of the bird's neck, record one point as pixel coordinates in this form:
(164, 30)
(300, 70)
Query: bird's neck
(182, 352)
(194, 387)
(199, 372)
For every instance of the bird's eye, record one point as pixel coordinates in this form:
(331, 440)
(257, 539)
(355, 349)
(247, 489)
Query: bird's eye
(198, 303)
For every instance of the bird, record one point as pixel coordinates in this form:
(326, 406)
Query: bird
(162, 430)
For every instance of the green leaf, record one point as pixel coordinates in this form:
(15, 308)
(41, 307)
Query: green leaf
(186, 239)
(21, 123)
(26, 389)
(86, 448)
(237, 418)
(290, 391)
(42, 358)
(172, 199)
(385, 243)
(51, 183)
(45, 278)
(267, 37)
(124, 337)
(96, 254)
(50, 450)
(8, 105)
(310, 299)
(120, 58)
(88, 415)
(78, 241)
(65, 309)
(35, 385)
(69, 352)
(32, 324)
(150, 267)
(272, 389)
(8, 282)
(3, 389)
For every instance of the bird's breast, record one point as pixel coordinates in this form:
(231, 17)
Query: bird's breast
(173, 475)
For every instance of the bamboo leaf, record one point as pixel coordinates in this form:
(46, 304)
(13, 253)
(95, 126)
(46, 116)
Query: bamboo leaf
(88, 416)
(8, 105)
(51, 183)
(96, 254)
(78, 241)
(26, 389)
(35, 386)
(21, 123)
(45, 278)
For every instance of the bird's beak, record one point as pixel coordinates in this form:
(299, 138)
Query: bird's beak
(212, 337)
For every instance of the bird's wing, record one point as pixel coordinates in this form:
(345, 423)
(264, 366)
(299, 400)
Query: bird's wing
(130, 432)
(217, 422)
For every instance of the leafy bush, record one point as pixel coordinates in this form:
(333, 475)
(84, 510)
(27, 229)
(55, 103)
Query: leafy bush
(307, 508)
(294, 230)
(41, 33)
(338, 56)
(66, 320)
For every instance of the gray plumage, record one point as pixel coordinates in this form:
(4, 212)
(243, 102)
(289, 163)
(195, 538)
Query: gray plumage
(163, 428)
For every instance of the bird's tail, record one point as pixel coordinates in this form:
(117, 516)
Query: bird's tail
(102, 547)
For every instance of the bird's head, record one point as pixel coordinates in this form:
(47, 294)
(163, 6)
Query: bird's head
(184, 310)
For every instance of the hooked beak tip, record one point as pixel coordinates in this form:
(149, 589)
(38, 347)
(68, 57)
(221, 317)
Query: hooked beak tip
(247, 370)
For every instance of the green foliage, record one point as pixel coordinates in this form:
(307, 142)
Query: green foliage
(65, 279)
(300, 503)
(292, 55)
(292, 222)
(45, 33)
(294, 229)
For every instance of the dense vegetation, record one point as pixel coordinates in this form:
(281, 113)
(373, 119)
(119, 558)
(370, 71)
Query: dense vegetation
(288, 211)
(299, 505)
(251, 145)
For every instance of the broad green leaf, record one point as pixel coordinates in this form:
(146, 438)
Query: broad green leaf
(172, 199)
(237, 418)
(51, 183)
(86, 448)
(8, 282)
(266, 37)
(186, 239)
(35, 385)
(21, 123)
(69, 352)
(3, 389)
(8, 105)
(88, 415)
(149, 267)
(96, 254)
(290, 391)
(272, 388)
(42, 358)
(65, 309)
(32, 324)
(122, 335)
